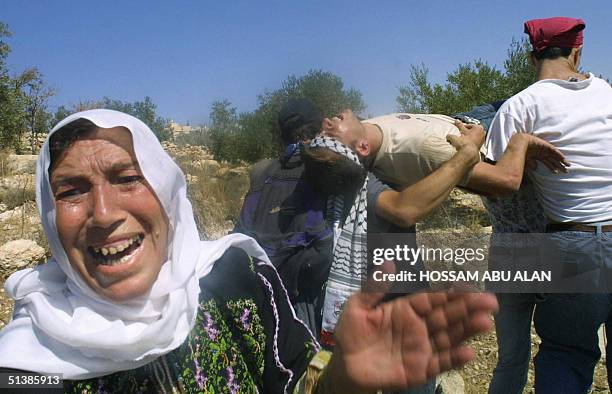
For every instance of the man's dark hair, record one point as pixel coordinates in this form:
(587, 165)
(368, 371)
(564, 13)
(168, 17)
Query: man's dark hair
(552, 53)
(331, 173)
(302, 133)
(299, 120)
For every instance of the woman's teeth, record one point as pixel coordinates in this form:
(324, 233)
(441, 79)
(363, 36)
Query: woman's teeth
(117, 254)
(116, 261)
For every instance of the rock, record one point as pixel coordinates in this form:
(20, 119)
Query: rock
(24, 211)
(238, 171)
(450, 383)
(8, 215)
(223, 172)
(191, 178)
(22, 164)
(186, 152)
(11, 214)
(17, 183)
(19, 254)
(242, 169)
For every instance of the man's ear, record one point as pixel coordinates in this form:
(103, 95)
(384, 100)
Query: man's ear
(363, 147)
(531, 58)
(576, 56)
(326, 124)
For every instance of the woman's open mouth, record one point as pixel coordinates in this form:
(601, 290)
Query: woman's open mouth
(118, 253)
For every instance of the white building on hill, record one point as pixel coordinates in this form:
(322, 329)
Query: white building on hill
(180, 129)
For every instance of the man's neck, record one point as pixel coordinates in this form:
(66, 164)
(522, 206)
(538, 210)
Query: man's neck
(558, 69)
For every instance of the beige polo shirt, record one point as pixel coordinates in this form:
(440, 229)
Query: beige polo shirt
(413, 146)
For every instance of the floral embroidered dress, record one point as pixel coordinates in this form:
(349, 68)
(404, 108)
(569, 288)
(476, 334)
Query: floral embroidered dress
(245, 340)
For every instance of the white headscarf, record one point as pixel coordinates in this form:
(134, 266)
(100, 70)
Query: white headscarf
(60, 325)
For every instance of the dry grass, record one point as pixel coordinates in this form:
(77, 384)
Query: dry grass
(19, 193)
(13, 197)
(462, 211)
(4, 153)
(216, 196)
(193, 138)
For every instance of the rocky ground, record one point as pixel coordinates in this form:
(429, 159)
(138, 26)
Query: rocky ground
(477, 374)
(216, 191)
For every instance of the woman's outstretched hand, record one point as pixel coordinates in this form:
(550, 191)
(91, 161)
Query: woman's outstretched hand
(405, 342)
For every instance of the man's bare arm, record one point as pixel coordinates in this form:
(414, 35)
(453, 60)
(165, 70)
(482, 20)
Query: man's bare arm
(506, 175)
(410, 205)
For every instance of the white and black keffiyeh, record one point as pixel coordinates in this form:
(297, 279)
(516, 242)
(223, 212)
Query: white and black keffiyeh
(350, 242)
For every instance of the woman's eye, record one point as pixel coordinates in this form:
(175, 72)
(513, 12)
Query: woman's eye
(130, 179)
(339, 116)
(66, 194)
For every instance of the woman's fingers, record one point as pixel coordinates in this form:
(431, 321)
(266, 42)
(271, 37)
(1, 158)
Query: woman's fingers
(459, 307)
(453, 336)
(449, 359)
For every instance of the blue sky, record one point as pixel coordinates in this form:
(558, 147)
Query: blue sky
(186, 54)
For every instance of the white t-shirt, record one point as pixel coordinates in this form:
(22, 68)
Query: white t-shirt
(576, 117)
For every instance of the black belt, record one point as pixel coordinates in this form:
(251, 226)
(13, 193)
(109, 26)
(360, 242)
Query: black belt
(555, 227)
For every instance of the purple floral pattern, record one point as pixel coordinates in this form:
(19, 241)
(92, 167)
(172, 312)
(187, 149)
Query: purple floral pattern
(210, 361)
(248, 322)
(209, 326)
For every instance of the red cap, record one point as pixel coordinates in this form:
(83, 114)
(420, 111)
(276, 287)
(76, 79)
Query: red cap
(555, 32)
